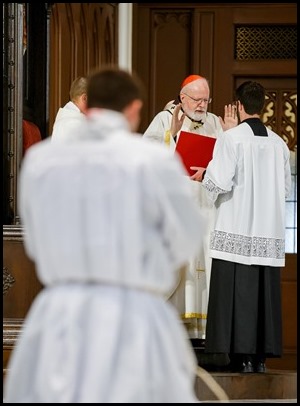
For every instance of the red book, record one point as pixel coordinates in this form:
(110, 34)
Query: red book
(195, 150)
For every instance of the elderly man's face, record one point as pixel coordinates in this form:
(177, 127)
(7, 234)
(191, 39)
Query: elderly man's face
(195, 99)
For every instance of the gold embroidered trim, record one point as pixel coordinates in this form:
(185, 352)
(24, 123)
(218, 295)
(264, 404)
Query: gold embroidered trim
(167, 137)
(194, 316)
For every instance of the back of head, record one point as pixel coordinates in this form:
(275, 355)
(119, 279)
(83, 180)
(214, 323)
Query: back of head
(114, 89)
(252, 96)
(78, 88)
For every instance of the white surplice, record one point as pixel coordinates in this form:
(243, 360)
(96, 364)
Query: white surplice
(67, 120)
(247, 229)
(109, 219)
(191, 296)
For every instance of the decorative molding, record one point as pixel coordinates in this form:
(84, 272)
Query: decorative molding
(259, 42)
(15, 100)
(13, 233)
(182, 18)
(11, 330)
(280, 114)
(8, 280)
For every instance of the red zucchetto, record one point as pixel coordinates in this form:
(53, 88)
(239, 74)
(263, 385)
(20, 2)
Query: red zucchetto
(190, 79)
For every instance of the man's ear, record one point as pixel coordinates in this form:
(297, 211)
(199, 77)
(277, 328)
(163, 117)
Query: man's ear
(132, 113)
(133, 108)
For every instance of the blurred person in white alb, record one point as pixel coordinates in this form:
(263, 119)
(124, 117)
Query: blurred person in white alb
(109, 222)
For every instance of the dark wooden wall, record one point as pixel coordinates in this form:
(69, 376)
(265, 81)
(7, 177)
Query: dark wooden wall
(83, 37)
(289, 316)
(35, 65)
(174, 40)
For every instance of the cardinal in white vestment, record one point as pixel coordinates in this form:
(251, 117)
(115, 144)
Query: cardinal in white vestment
(189, 113)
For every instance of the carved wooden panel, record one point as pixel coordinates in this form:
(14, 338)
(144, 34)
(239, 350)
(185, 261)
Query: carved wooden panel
(172, 41)
(83, 36)
(280, 112)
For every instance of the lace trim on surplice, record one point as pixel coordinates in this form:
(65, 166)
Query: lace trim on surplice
(212, 188)
(262, 247)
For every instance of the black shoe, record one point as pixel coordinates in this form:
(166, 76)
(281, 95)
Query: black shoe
(241, 363)
(247, 367)
(247, 364)
(261, 368)
(259, 363)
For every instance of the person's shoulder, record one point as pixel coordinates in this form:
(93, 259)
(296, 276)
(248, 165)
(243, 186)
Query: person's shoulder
(214, 120)
(68, 114)
(66, 123)
(71, 106)
(170, 106)
(145, 143)
(151, 149)
(212, 116)
(234, 134)
(164, 113)
(276, 137)
(155, 157)
(37, 152)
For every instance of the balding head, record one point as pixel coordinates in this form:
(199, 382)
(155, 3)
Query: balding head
(195, 97)
(196, 86)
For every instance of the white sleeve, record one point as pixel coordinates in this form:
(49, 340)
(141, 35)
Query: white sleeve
(220, 171)
(287, 173)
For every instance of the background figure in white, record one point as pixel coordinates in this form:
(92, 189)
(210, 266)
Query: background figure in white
(188, 112)
(109, 220)
(69, 117)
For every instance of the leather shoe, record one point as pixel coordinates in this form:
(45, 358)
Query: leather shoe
(261, 367)
(247, 367)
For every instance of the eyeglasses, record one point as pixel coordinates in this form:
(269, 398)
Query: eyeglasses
(205, 101)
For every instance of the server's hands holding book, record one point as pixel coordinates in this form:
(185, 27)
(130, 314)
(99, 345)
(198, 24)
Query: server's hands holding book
(199, 175)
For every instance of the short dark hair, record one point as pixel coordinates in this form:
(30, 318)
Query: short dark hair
(113, 88)
(252, 96)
